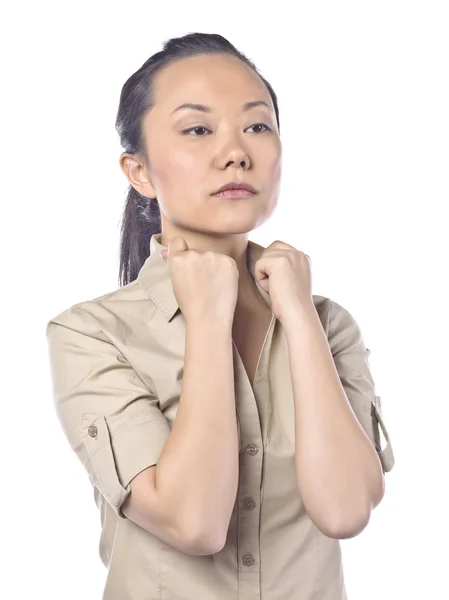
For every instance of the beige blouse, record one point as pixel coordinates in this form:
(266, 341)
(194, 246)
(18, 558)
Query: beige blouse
(117, 366)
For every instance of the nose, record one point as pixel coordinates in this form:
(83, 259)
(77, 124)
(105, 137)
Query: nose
(235, 154)
(243, 163)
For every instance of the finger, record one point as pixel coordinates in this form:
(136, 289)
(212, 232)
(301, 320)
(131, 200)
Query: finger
(278, 245)
(177, 244)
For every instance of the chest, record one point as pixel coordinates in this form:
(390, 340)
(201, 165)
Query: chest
(249, 329)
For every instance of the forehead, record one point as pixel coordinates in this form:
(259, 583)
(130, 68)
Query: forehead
(216, 80)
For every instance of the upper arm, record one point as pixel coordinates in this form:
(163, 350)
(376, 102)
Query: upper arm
(111, 419)
(351, 358)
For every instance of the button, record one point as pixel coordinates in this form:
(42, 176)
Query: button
(252, 449)
(249, 504)
(248, 560)
(92, 431)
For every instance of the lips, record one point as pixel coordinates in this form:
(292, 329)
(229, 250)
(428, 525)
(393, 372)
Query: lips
(237, 185)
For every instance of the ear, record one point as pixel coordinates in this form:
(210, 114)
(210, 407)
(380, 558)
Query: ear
(136, 174)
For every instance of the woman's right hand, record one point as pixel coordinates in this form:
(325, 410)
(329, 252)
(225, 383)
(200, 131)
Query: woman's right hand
(205, 284)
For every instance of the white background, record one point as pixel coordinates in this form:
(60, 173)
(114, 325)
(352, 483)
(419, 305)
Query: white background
(364, 104)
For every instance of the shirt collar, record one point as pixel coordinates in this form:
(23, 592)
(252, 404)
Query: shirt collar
(154, 276)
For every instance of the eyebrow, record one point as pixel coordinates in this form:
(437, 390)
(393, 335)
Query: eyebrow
(208, 109)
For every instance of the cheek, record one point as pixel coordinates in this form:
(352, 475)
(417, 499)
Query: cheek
(276, 167)
(273, 170)
(269, 161)
(276, 159)
(175, 168)
(274, 173)
(177, 175)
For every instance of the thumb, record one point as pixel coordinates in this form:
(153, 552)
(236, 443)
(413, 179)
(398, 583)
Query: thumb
(176, 244)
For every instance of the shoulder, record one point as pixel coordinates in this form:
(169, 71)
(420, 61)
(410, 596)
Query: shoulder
(105, 312)
(338, 322)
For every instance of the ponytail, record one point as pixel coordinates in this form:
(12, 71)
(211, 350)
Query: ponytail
(141, 219)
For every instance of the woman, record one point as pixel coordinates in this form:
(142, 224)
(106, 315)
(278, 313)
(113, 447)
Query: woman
(227, 417)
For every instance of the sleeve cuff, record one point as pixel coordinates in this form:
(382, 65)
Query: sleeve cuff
(116, 457)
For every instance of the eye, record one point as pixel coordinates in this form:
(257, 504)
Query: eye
(187, 131)
(261, 125)
(200, 128)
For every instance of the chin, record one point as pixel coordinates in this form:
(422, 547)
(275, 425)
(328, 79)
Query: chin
(237, 226)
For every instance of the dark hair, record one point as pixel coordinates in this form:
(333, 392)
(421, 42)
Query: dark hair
(141, 216)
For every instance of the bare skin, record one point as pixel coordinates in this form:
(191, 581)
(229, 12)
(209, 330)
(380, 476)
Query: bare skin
(249, 329)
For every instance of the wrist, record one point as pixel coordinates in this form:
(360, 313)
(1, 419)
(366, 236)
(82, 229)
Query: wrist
(302, 315)
(209, 325)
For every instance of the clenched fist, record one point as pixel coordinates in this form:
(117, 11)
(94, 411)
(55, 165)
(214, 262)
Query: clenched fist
(205, 284)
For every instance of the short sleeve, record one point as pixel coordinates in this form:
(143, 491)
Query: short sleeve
(111, 419)
(351, 358)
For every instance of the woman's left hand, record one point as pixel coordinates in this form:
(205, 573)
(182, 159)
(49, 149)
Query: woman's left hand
(285, 274)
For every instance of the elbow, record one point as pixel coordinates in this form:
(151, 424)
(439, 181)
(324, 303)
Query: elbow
(350, 523)
(346, 527)
(203, 545)
(199, 538)
(206, 550)
(380, 490)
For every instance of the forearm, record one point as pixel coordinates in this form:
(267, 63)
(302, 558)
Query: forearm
(197, 473)
(339, 474)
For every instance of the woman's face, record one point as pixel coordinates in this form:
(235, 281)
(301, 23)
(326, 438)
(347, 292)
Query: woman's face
(192, 153)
